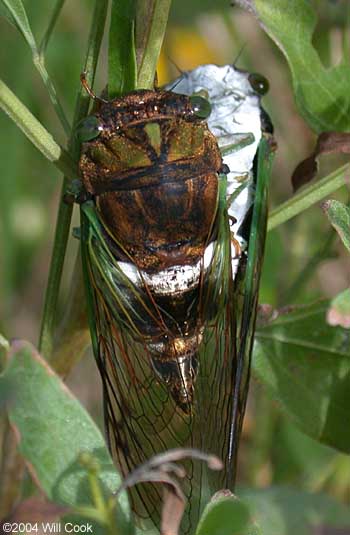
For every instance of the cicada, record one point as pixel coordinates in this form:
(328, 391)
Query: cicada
(171, 275)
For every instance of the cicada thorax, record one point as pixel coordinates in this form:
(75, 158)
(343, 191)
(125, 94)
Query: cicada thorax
(153, 173)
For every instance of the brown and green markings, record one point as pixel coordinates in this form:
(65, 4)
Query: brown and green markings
(153, 172)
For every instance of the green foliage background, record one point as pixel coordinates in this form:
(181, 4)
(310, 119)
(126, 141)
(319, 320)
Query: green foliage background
(304, 258)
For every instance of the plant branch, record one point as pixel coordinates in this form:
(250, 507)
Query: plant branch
(307, 197)
(39, 64)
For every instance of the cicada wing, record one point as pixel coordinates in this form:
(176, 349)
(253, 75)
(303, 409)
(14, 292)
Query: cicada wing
(248, 311)
(215, 382)
(141, 417)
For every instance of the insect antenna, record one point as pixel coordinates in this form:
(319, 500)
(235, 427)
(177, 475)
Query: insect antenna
(88, 89)
(175, 65)
(181, 72)
(234, 64)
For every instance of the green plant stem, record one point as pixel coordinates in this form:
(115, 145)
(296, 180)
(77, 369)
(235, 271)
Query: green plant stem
(307, 197)
(56, 267)
(18, 17)
(65, 211)
(151, 21)
(39, 64)
(54, 17)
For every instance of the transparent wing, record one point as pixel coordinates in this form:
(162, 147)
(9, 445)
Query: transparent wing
(141, 417)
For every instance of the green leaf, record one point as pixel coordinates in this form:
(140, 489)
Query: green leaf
(322, 94)
(283, 511)
(15, 13)
(226, 516)
(339, 217)
(122, 70)
(53, 429)
(305, 365)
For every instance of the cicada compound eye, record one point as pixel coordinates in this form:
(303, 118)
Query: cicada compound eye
(88, 129)
(201, 106)
(259, 83)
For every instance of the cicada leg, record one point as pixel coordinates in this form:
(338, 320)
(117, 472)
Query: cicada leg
(89, 90)
(237, 142)
(235, 245)
(236, 252)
